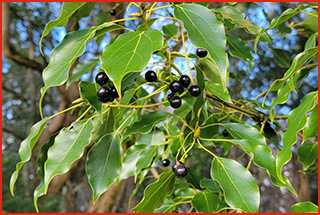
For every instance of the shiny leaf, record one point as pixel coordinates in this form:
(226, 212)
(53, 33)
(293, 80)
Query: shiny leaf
(217, 90)
(106, 126)
(281, 57)
(307, 154)
(170, 30)
(153, 138)
(206, 202)
(311, 128)
(210, 184)
(311, 42)
(88, 92)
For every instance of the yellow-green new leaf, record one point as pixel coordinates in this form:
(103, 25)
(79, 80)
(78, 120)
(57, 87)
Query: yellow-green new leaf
(25, 149)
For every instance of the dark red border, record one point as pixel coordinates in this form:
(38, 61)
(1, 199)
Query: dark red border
(126, 1)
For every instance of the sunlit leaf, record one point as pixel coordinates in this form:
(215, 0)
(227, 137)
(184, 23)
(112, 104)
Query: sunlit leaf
(304, 207)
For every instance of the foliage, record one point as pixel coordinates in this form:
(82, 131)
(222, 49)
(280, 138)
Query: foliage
(157, 131)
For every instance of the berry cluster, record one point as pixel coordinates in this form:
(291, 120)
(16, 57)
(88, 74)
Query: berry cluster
(104, 93)
(179, 169)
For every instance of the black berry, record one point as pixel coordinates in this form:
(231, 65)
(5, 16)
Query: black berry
(102, 78)
(175, 86)
(105, 100)
(181, 90)
(165, 162)
(184, 81)
(113, 12)
(113, 92)
(195, 90)
(156, 52)
(170, 96)
(201, 52)
(225, 133)
(103, 92)
(180, 170)
(175, 102)
(151, 76)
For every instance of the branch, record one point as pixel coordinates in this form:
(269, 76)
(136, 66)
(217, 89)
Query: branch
(8, 50)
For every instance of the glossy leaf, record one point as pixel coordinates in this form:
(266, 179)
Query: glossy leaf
(311, 128)
(130, 52)
(254, 144)
(206, 202)
(311, 42)
(84, 11)
(25, 149)
(84, 67)
(284, 92)
(67, 9)
(297, 62)
(205, 31)
(297, 120)
(210, 70)
(103, 164)
(88, 92)
(217, 90)
(307, 154)
(153, 138)
(311, 22)
(281, 57)
(287, 14)
(67, 148)
(209, 184)
(170, 30)
(240, 190)
(106, 126)
(62, 57)
(40, 189)
(155, 193)
(147, 122)
(304, 207)
(136, 158)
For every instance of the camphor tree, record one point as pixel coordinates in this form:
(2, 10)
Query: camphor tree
(131, 131)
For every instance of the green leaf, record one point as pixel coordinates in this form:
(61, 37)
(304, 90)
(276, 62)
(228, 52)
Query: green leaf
(281, 57)
(153, 138)
(84, 11)
(130, 52)
(307, 154)
(205, 31)
(84, 67)
(240, 190)
(103, 17)
(67, 148)
(206, 202)
(107, 28)
(217, 90)
(239, 49)
(297, 62)
(287, 14)
(199, 101)
(103, 164)
(136, 158)
(155, 193)
(167, 207)
(297, 120)
(62, 57)
(147, 122)
(170, 30)
(311, 22)
(128, 94)
(210, 70)
(143, 27)
(88, 92)
(311, 128)
(67, 9)
(311, 42)
(194, 177)
(210, 184)
(40, 189)
(238, 18)
(25, 149)
(254, 144)
(304, 207)
(284, 92)
(106, 126)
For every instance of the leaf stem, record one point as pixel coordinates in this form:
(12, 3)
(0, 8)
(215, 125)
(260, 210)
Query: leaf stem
(176, 68)
(310, 14)
(185, 51)
(84, 113)
(207, 150)
(65, 110)
(138, 106)
(184, 141)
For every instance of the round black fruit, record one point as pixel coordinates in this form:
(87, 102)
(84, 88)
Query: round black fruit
(175, 102)
(113, 12)
(184, 81)
(105, 100)
(103, 92)
(156, 52)
(225, 133)
(151, 76)
(102, 78)
(165, 162)
(181, 90)
(195, 90)
(180, 170)
(113, 92)
(175, 86)
(201, 52)
(170, 96)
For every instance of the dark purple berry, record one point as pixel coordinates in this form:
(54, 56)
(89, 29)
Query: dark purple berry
(225, 133)
(184, 81)
(181, 90)
(175, 86)
(170, 96)
(104, 100)
(113, 92)
(175, 102)
(165, 162)
(113, 12)
(151, 76)
(103, 92)
(195, 90)
(201, 52)
(180, 170)
(102, 78)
